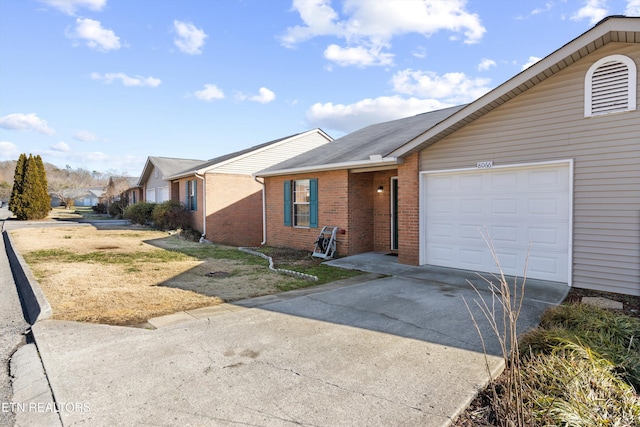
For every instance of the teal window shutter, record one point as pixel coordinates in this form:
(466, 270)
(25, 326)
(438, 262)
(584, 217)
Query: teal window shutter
(195, 195)
(313, 203)
(287, 203)
(186, 195)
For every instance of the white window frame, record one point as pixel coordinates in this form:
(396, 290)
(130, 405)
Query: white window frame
(305, 201)
(631, 85)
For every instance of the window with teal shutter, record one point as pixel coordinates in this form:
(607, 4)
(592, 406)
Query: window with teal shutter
(287, 203)
(194, 197)
(313, 203)
(191, 200)
(301, 203)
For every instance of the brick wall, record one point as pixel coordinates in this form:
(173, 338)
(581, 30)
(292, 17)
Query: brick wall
(234, 210)
(333, 197)
(382, 210)
(361, 198)
(346, 200)
(408, 211)
(181, 186)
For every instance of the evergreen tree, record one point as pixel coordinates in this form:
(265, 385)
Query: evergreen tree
(29, 198)
(42, 200)
(16, 202)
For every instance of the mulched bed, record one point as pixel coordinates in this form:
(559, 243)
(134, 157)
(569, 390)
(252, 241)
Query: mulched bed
(479, 412)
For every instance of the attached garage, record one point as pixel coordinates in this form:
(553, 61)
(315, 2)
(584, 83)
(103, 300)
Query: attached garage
(524, 210)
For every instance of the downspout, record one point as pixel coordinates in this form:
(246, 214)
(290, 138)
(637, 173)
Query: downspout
(264, 212)
(204, 206)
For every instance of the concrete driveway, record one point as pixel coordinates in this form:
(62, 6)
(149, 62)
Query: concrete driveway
(398, 350)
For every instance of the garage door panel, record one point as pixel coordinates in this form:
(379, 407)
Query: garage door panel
(443, 255)
(546, 267)
(505, 206)
(471, 257)
(517, 207)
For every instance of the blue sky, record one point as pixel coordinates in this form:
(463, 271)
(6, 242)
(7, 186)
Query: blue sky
(102, 84)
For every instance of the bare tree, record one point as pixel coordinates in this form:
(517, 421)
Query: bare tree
(115, 193)
(68, 184)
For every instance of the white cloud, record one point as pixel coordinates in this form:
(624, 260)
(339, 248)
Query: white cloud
(127, 80)
(61, 147)
(547, 7)
(25, 122)
(359, 56)
(450, 88)
(633, 8)
(593, 10)
(8, 151)
(347, 118)
(369, 26)
(264, 96)
(532, 60)
(85, 136)
(485, 64)
(94, 36)
(71, 6)
(190, 39)
(209, 92)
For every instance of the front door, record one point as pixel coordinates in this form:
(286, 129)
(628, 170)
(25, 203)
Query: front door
(394, 214)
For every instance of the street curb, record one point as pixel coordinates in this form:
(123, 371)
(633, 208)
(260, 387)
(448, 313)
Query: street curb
(33, 402)
(34, 303)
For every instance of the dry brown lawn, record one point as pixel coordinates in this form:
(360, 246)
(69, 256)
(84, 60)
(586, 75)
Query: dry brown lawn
(125, 276)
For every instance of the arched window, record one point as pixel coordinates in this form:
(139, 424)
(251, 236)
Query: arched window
(610, 86)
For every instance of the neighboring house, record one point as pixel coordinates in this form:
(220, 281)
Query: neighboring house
(154, 187)
(121, 189)
(225, 199)
(547, 163)
(89, 197)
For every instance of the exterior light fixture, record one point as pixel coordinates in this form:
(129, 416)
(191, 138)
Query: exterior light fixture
(380, 189)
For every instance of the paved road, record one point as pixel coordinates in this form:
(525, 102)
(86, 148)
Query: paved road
(12, 326)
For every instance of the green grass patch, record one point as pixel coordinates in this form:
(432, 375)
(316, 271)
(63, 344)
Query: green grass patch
(201, 252)
(104, 257)
(324, 273)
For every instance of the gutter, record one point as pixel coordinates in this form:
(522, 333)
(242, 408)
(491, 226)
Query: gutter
(264, 211)
(204, 205)
(374, 161)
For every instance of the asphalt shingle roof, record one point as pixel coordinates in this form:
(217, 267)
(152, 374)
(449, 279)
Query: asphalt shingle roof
(376, 139)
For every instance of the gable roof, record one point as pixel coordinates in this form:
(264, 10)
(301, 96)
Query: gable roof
(367, 147)
(209, 165)
(166, 165)
(385, 144)
(612, 29)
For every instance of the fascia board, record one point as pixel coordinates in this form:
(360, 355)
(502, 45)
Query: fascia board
(387, 161)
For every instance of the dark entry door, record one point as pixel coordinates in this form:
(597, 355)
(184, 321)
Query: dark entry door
(394, 214)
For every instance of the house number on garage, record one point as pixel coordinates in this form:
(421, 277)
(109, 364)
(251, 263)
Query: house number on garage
(485, 165)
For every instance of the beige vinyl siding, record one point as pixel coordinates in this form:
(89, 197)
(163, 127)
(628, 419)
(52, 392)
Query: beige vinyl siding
(547, 123)
(272, 155)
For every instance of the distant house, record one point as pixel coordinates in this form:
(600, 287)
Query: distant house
(547, 163)
(225, 200)
(153, 185)
(89, 197)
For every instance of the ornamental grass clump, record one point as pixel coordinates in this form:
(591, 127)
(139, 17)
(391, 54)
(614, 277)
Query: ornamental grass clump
(573, 385)
(614, 336)
(580, 367)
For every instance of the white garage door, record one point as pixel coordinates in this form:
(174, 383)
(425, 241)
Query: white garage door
(525, 211)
